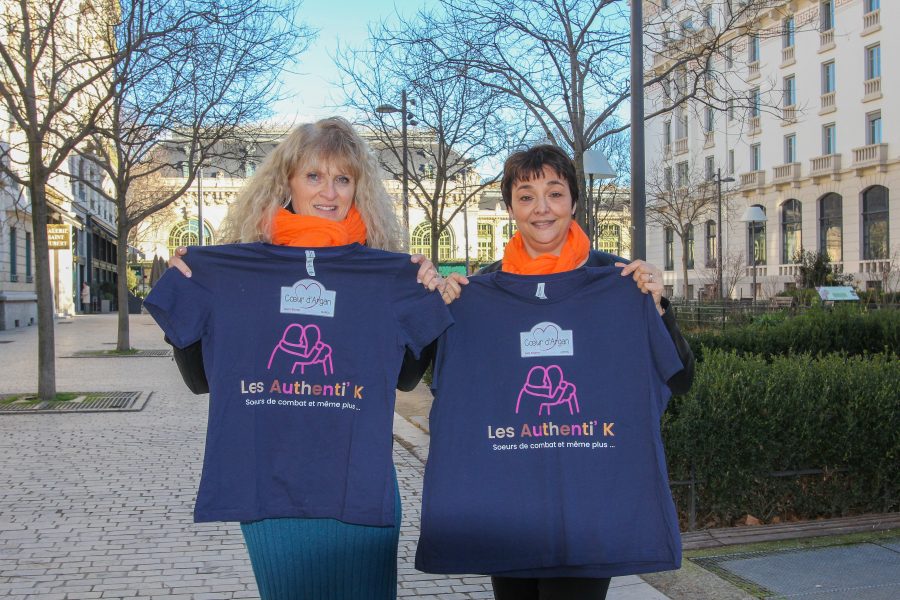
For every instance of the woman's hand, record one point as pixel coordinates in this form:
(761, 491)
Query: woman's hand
(429, 277)
(179, 264)
(648, 278)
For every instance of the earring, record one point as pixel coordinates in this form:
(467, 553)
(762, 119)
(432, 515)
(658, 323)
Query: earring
(287, 202)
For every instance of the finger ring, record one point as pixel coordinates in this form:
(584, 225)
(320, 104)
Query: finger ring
(651, 278)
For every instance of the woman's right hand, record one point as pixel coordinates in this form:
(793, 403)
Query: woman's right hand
(179, 264)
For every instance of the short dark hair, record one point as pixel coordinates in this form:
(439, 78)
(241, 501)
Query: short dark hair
(527, 164)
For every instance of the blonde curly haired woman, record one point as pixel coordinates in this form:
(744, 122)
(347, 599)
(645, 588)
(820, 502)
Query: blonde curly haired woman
(319, 188)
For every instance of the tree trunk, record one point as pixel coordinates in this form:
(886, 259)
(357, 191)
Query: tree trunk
(43, 285)
(122, 341)
(684, 264)
(434, 242)
(581, 201)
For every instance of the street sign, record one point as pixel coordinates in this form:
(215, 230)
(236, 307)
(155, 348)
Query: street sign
(59, 236)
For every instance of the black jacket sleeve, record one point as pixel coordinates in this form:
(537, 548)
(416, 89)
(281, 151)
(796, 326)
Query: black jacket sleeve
(680, 382)
(190, 364)
(413, 368)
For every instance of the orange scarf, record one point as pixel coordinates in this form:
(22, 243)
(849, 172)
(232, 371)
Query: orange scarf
(573, 254)
(289, 229)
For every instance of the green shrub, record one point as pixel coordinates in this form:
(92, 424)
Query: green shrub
(822, 330)
(747, 418)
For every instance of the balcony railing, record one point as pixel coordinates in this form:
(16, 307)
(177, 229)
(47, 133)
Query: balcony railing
(791, 270)
(787, 55)
(874, 266)
(709, 139)
(825, 165)
(828, 101)
(753, 70)
(789, 114)
(681, 146)
(871, 155)
(826, 39)
(871, 20)
(760, 271)
(754, 124)
(872, 88)
(787, 173)
(753, 179)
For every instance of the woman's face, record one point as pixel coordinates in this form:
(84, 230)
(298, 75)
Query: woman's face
(542, 209)
(325, 192)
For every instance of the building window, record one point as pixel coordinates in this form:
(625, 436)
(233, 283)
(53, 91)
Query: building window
(790, 148)
(185, 233)
(421, 242)
(682, 129)
(790, 91)
(872, 5)
(873, 62)
(13, 258)
(873, 128)
(665, 4)
(753, 49)
(730, 109)
(755, 158)
(708, 16)
(689, 240)
(681, 174)
(711, 243)
(185, 169)
(667, 133)
(609, 238)
(828, 77)
(669, 248)
(667, 174)
(731, 162)
(509, 230)
(485, 242)
(755, 102)
(787, 32)
(28, 273)
(791, 222)
(709, 168)
(710, 122)
(826, 15)
(831, 226)
(756, 235)
(729, 56)
(875, 223)
(829, 139)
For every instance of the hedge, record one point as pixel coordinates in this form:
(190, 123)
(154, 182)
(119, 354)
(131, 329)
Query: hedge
(748, 417)
(846, 329)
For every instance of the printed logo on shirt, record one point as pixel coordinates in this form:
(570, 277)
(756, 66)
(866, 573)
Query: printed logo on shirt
(303, 347)
(546, 389)
(546, 339)
(308, 297)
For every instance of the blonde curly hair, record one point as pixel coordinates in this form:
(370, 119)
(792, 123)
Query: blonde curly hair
(311, 147)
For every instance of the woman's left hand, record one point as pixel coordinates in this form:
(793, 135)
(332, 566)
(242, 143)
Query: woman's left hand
(648, 278)
(428, 274)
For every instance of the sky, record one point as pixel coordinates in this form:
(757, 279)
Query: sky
(311, 90)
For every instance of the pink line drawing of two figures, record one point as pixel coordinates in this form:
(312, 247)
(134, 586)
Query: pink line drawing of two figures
(304, 347)
(547, 387)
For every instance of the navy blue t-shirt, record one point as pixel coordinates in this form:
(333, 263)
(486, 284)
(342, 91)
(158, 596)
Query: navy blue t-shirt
(546, 458)
(302, 348)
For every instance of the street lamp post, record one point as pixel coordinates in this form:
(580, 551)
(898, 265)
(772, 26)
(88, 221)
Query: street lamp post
(406, 117)
(638, 175)
(595, 165)
(720, 237)
(753, 215)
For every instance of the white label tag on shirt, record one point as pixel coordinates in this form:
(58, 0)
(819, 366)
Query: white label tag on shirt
(540, 292)
(547, 339)
(310, 257)
(308, 297)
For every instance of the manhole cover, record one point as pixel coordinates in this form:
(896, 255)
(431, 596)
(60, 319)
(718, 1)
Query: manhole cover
(89, 402)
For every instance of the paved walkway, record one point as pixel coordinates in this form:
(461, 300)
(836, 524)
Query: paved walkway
(99, 505)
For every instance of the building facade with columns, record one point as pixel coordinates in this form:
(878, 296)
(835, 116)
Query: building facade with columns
(818, 148)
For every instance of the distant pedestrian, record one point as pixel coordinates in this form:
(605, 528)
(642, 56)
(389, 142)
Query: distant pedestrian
(85, 297)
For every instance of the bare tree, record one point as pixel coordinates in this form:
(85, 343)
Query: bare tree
(678, 201)
(459, 123)
(197, 87)
(57, 61)
(733, 269)
(567, 63)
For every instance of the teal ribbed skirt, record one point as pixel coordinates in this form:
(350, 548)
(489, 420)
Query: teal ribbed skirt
(323, 559)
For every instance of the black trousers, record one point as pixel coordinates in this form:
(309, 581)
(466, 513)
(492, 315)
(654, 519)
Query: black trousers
(549, 588)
